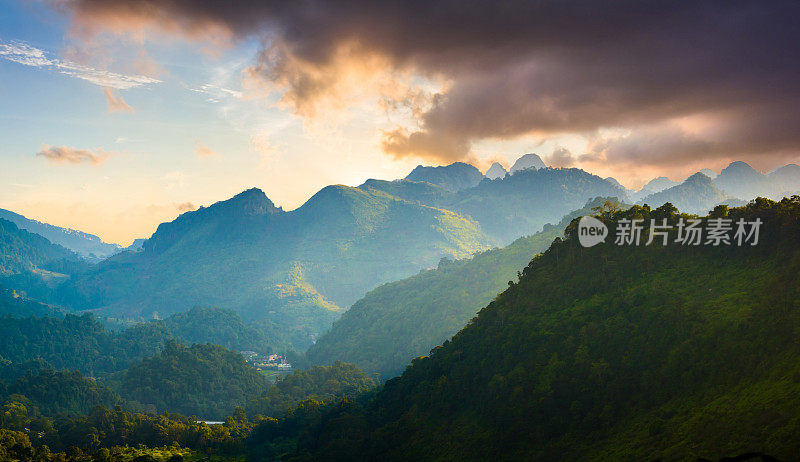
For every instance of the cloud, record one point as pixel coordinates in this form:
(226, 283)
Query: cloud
(561, 157)
(203, 151)
(544, 68)
(216, 93)
(185, 207)
(115, 102)
(68, 155)
(27, 55)
(399, 143)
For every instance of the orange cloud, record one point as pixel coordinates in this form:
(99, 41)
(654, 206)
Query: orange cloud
(69, 155)
(203, 151)
(185, 207)
(115, 102)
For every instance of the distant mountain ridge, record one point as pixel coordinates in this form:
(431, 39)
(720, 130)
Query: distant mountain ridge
(738, 182)
(86, 245)
(516, 205)
(697, 194)
(453, 177)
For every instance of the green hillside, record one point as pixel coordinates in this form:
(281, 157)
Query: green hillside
(78, 343)
(203, 380)
(327, 384)
(218, 326)
(83, 343)
(287, 272)
(22, 251)
(611, 352)
(53, 393)
(401, 320)
(13, 303)
(31, 264)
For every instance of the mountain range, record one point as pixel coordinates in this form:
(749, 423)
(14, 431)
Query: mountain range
(289, 272)
(736, 184)
(518, 204)
(292, 273)
(86, 245)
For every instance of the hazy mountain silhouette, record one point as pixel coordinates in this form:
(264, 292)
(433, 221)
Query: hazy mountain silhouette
(527, 161)
(697, 194)
(454, 177)
(86, 245)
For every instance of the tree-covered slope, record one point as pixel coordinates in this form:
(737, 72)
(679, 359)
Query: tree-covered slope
(288, 272)
(609, 352)
(218, 326)
(401, 320)
(31, 264)
(49, 392)
(22, 251)
(83, 343)
(14, 304)
(78, 343)
(327, 384)
(208, 381)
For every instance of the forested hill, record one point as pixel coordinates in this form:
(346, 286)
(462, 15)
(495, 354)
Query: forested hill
(14, 304)
(290, 273)
(83, 343)
(401, 320)
(608, 353)
(32, 265)
(22, 251)
(203, 380)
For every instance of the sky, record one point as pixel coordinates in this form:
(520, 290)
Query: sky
(116, 116)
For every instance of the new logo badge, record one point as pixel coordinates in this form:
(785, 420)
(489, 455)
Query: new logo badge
(591, 231)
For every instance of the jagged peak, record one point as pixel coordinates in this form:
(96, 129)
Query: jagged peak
(496, 171)
(699, 178)
(527, 161)
(738, 166)
(251, 201)
(709, 173)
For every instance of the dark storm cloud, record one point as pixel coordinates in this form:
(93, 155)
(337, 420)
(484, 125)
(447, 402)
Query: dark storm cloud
(532, 67)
